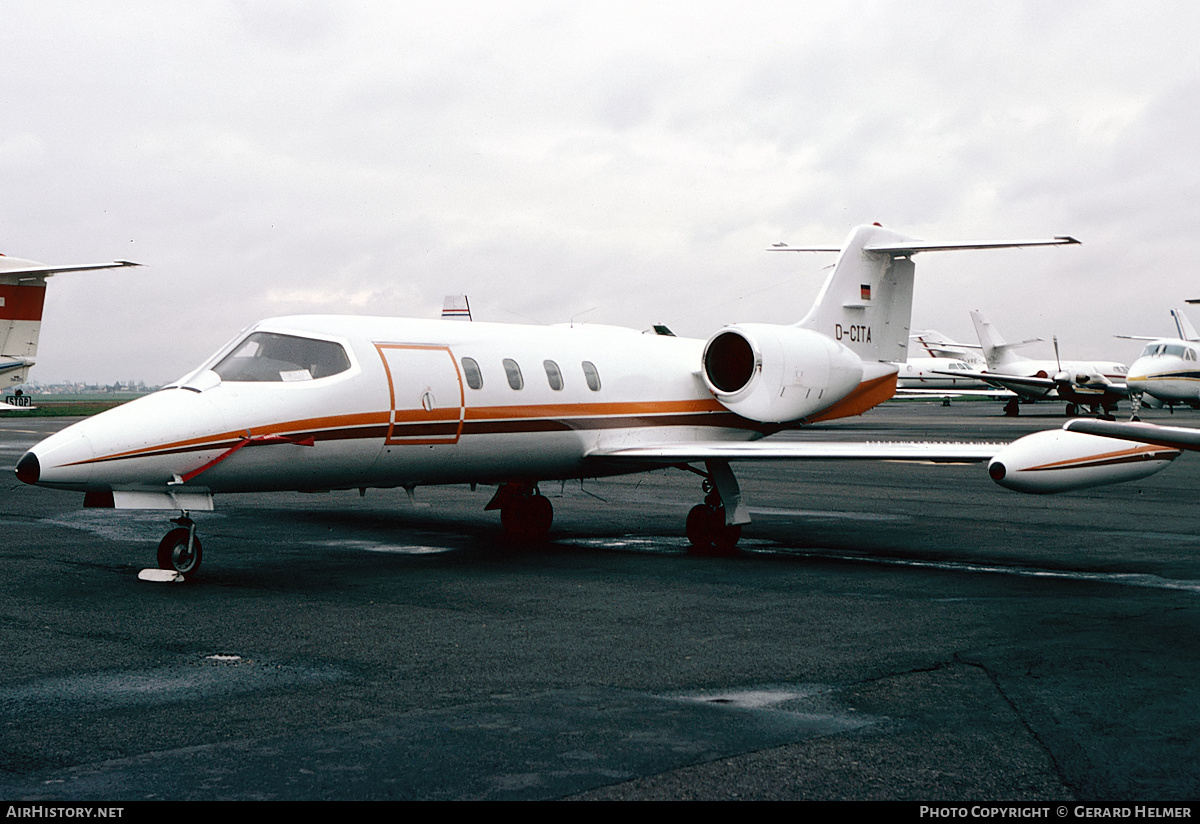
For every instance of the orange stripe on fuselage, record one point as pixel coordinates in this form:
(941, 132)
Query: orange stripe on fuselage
(582, 410)
(1146, 452)
(531, 412)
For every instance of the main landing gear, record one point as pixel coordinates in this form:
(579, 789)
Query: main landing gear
(525, 513)
(180, 549)
(715, 526)
(706, 528)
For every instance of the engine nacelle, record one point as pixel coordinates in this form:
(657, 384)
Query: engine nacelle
(773, 374)
(1058, 461)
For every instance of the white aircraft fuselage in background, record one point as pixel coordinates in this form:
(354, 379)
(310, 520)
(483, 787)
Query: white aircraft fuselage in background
(325, 401)
(1168, 370)
(1099, 385)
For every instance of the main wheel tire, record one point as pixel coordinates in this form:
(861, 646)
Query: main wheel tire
(173, 552)
(708, 533)
(699, 527)
(527, 518)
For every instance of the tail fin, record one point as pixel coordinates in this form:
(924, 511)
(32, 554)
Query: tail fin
(934, 344)
(22, 297)
(456, 307)
(1186, 330)
(866, 303)
(996, 351)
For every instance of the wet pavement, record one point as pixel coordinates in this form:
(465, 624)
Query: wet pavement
(889, 631)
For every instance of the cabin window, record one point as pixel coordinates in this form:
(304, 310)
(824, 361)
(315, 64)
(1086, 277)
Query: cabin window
(553, 375)
(1191, 354)
(513, 372)
(472, 374)
(591, 376)
(267, 356)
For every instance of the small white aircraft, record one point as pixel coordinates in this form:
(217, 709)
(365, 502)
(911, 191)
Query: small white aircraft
(1168, 370)
(1098, 385)
(323, 402)
(945, 370)
(22, 298)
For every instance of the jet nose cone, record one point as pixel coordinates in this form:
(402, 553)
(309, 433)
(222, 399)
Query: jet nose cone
(1138, 371)
(29, 468)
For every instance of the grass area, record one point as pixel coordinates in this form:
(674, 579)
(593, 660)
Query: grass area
(60, 406)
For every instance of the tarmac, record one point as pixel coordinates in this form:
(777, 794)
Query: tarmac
(887, 632)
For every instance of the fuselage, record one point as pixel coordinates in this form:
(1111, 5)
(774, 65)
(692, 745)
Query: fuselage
(324, 402)
(1168, 370)
(930, 373)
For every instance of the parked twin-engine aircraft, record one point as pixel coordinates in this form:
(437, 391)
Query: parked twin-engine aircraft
(1098, 385)
(1168, 370)
(22, 298)
(327, 402)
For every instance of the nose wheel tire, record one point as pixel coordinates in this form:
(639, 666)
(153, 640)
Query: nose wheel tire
(175, 553)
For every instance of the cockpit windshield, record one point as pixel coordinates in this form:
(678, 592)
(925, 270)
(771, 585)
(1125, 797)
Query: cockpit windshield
(267, 356)
(1158, 349)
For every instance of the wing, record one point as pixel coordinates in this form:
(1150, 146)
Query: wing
(1176, 437)
(1096, 387)
(688, 451)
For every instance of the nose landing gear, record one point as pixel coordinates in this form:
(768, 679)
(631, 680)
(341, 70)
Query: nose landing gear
(180, 549)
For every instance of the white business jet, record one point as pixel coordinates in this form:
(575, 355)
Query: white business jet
(1168, 370)
(1098, 385)
(943, 369)
(321, 402)
(22, 298)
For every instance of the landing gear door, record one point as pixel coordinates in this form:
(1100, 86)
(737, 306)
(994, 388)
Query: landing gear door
(427, 394)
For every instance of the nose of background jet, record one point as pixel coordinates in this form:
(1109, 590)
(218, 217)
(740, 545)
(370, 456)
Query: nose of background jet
(1138, 373)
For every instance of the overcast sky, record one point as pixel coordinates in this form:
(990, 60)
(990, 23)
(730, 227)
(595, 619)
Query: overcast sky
(623, 163)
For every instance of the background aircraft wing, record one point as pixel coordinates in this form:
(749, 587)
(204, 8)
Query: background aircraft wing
(955, 393)
(1007, 381)
(685, 452)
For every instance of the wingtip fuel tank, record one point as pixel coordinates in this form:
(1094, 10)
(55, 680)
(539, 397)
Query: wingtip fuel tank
(1059, 461)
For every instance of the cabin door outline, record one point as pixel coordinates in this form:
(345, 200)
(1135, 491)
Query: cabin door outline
(427, 396)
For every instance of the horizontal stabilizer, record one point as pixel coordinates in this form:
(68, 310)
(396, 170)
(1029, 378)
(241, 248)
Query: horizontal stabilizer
(13, 267)
(911, 247)
(919, 246)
